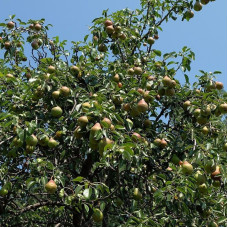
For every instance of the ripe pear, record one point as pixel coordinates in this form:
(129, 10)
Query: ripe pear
(157, 142)
(219, 85)
(136, 137)
(150, 40)
(32, 140)
(200, 178)
(196, 112)
(163, 143)
(102, 48)
(108, 23)
(138, 70)
(95, 128)
(86, 106)
(187, 168)
(97, 215)
(205, 130)
(10, 25)
(37, 27)
(186, 104)
(7, 44)
(51, 69)
(83, 121)
(202, 188)
(35, 45)
(216, 174)
(65, 91)
(189, 14)
(56, 112)
(131, 71)
(223, 108)
(137, 195)
(74, 70)
(52, 143)
(106, 122)
(110, 29)
(142, 106)
(51, 187)
(167, 81)
(56, 94)
(197, 6)
(116, 78)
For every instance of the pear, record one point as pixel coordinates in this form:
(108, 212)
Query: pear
(51, 187)
(163, 143)
(142, 106)
(216, 174)
(52, 143)
(56, 112)
(56, 94)
(202, 188)
(186, 104)
(65, 91)
(97, 215)
(205, 130)
(83, 121)
(187, 168)
(136, 137)
(32, 140)
(137, 195)
(51, 69)
(200, 178)
(167, 81)
(157, 142)
(106, 122)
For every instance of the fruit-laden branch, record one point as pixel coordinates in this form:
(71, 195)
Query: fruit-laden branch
(41, 204)
(158, 24)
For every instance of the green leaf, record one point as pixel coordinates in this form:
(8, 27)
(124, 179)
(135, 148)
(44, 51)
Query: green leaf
(78, 179)
(157, 52)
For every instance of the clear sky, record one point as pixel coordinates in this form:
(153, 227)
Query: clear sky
(205, 34)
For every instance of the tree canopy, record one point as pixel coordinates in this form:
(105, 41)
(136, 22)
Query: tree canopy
(105, 134)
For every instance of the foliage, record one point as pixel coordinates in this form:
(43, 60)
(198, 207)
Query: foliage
(114, 174)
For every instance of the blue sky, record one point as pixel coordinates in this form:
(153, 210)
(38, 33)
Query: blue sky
(205, 34)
